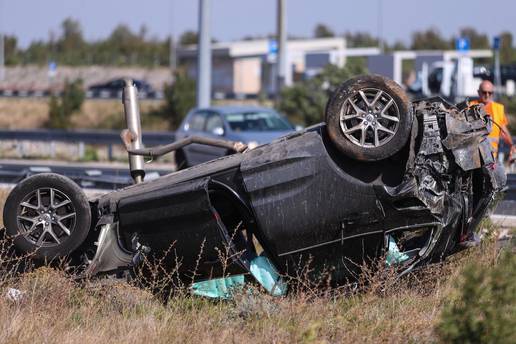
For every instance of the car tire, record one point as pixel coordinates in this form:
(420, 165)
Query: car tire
(369, 118)
(181, 162)
(47, 216)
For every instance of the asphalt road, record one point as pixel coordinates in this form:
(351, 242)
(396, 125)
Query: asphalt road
(109, 177)
(88, 176)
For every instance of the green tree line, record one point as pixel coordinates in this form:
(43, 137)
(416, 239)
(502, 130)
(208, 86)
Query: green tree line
(125, 47)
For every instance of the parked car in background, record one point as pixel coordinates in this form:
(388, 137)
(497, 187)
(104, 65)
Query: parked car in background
(113, 88)
(249, 124)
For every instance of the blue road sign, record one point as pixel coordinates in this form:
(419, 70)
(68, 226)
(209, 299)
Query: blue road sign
(272, 54)
(496, 43)
(273, 46)
(462, 44)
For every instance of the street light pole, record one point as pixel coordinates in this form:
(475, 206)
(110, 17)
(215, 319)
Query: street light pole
(172, 56)
(2, 59)
(380, 25)
(2, 48)
(204, 56)
(282, 47)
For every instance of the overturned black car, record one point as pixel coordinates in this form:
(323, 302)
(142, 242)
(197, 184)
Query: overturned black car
(380, 173)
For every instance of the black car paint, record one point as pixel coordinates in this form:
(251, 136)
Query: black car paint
(306, 203)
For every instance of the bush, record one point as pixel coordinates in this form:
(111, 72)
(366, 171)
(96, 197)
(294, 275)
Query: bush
(61, 108)
(179, 99)
(305, 102)
(484, 308)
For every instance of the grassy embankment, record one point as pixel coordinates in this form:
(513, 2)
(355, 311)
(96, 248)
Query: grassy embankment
(56, 309)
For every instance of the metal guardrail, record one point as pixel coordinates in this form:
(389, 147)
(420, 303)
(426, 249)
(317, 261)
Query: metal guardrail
(153, 95)
(15, 93)
(107, 137)
(96, 177)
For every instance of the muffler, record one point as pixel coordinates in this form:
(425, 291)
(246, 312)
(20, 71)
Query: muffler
(132, 137)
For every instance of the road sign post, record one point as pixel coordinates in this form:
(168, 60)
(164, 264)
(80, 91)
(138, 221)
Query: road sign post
(497, 73)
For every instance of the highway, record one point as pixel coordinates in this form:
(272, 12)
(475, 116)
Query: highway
(109, 177)
(88, 176)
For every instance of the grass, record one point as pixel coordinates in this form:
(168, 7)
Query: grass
(55, 308)
(95, 114)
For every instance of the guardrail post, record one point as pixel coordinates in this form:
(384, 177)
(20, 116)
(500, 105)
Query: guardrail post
(20, 148)
(80, 150)
(110, 152)
(52, 149)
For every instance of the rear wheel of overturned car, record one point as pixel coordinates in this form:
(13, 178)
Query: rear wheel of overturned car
(369, 118)
(47, 216)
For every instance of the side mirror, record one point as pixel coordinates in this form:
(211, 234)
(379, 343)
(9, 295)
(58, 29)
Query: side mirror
(219, 131)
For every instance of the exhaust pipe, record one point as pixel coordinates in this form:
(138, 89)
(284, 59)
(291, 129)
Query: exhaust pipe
(132, 137)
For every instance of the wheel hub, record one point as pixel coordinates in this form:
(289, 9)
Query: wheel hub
(369, 118)
(46, 217)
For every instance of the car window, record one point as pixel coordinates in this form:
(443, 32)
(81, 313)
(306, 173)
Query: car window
(197, 121)
(257, 121)
(214, 121)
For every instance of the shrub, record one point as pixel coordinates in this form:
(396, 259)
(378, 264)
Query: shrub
(305, 101)
(484, 307)
(62, 107)
(179, 99)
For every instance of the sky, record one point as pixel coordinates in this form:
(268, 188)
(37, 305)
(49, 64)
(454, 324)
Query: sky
(31, 20)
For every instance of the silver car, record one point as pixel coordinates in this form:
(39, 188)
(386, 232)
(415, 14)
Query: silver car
(251, 125)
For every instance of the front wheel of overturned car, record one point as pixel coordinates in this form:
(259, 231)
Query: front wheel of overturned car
(369, 118)
(47, 216)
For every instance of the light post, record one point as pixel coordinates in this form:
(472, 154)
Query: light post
(204, 56)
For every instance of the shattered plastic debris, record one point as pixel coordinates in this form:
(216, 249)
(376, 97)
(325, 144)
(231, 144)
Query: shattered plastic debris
(224, 288)
(14, 295)
(265, 273)
(394, 256)
(219, 288)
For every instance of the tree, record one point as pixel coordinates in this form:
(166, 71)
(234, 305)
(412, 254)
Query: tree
(323, 31)
(507, 53)
(179, 99)
(188, 38)
(476, 40)
(61, 108)
(430, 39)
(305, 102)
(71, 46)
(11, 50)
(361, 39)
(398, 45)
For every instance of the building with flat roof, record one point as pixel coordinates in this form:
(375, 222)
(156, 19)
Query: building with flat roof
(248, 68)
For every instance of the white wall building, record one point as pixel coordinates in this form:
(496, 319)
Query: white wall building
(246, 68)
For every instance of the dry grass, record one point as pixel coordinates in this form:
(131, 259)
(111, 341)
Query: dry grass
(30, 113)
(22, 113)
(56, 309)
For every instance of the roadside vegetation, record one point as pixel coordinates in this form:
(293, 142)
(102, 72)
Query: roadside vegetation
(123, 46)
(304, 102)
(470, 298)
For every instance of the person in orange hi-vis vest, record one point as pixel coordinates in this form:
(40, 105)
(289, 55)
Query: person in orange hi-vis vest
(497, 113)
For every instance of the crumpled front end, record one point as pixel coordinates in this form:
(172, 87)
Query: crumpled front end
(451, 174)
